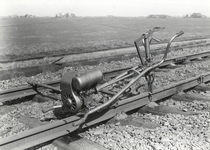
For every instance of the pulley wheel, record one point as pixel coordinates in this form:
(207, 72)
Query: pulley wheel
(74, 104)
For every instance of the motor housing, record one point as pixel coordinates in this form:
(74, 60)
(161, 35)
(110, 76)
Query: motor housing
(87, 80)
(71, 84)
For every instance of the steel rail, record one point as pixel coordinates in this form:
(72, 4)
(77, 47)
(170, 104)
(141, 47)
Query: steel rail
(42, 134)
(23, 91)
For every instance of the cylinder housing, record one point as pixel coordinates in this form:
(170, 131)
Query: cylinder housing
(87, 80)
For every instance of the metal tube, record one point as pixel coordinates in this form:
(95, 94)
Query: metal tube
(169, 43)
(121, 75)
(116, 79)
(44, 85)
(112, 81)
(138, 51)
(147, 46)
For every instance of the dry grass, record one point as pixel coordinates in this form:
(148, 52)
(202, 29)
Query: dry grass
(31, 37)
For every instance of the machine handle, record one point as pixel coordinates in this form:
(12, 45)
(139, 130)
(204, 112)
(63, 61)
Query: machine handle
(51, 108)
(169, 44)
(179, 33)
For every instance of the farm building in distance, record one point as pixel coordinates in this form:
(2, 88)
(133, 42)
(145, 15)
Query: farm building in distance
(197, 15)
(158, 16)
(194, 15)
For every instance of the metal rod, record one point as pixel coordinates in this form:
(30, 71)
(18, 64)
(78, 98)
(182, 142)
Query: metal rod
(116, 79)
(44, 85)
(112, 81)
(147, 46)
(138, 51)
(169, 43)
(121, 75)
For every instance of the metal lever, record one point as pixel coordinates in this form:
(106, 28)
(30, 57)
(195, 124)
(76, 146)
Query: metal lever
(169, 44)
(179, 33)
(146, 39)
(155, 39)
(55, 62)
(32, 83)
(50, 108)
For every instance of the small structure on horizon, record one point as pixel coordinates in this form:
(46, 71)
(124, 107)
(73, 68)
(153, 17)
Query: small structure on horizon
(158, 16)
(197, 15)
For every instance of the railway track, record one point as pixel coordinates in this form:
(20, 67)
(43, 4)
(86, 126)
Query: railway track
(52, 131)
(62, 127)
(24, 91)
(125, 95)
(198, 40)
(178, 122)
(55, 66)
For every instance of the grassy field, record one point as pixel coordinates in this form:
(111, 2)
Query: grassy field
(48, 36)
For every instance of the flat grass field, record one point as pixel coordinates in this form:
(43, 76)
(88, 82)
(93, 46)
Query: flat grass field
(47, 36)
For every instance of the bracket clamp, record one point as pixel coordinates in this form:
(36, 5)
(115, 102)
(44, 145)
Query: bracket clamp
(150, 96)
(200, 79)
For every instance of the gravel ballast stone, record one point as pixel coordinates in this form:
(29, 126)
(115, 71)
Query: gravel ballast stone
(175, 132)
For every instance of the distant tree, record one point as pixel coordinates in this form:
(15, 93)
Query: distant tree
(73, 15)
(197, 15)
(15, 16)
(186, 16)
(67, 15)
(60, 15)
(26, 15)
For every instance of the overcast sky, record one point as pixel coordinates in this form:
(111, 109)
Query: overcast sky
(104, 7)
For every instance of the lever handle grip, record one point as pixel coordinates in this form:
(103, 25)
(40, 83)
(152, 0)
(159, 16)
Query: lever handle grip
(51, 108)
(45, 110)
(179, 33)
